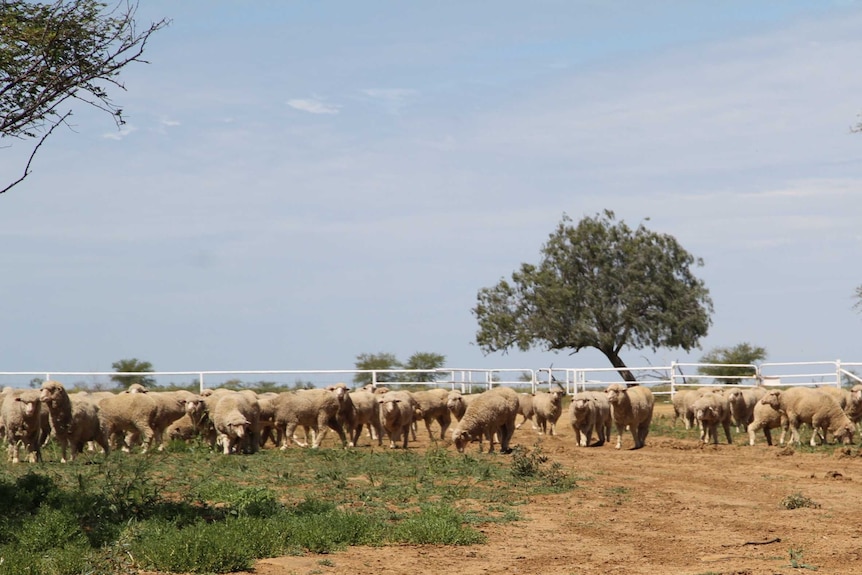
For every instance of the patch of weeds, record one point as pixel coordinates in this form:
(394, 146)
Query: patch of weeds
(796, 560)
(797, 501)
(618, 494)
(326, 563)
(438, 524)
(533, 464)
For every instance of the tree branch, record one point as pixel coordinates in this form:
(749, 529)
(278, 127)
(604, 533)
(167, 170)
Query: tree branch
(33, 153)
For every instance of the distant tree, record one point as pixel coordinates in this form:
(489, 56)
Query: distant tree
(132, 365)
(741, 354)
(424, 360)
(369, 361)
(857, 295)
(36, 382)
(599, 284)
(60, 51)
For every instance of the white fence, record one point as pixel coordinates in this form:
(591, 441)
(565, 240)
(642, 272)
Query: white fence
(672, 377)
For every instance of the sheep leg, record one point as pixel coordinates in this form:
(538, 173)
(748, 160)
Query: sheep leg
(620, 429)
(727, 433)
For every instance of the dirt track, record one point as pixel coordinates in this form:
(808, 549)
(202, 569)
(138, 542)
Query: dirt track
(673, 507)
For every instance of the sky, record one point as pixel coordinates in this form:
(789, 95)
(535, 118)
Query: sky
(302, 182)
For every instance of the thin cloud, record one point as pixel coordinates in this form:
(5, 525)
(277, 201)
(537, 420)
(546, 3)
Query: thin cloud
(122, 133)
(313, 106)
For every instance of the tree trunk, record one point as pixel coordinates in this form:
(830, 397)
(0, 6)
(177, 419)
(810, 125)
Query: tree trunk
(623, 370)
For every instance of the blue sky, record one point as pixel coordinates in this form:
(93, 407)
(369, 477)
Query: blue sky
(302, 182)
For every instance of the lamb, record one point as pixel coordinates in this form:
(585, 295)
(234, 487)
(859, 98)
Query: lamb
(315, 409)
(398, 409)
(742, 402)
(525, 409)
(491, 412)
(434, 406)
(766, 418)
(236, 418)
(710, 409)
(547, 407)
(819, 410)
(367, 413)
(633, 407)
(590, 410)
(21, 416)
(74, 419)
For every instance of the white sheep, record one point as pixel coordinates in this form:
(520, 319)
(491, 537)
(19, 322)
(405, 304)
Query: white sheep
(74, 419)
(766, 418)
(346, 410)
(367, 413)
(315, 409)
(398, 410)
(742, 402)
(525, 409)
(547, 408)
(458, 402)
(491, 412)
(854, 404)
(590, 410)
(682, 400)
(632, 407)
(21, 415)
(710, 409)
(128, 415)
(236, 418)
(434, 406)
(266, 402)
(170, 406)
(819, 410)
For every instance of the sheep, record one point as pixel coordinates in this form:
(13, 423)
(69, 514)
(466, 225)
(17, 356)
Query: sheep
(315, 409)
(682, 401)
(819, 410)
(398, 409)
(266, 402)
(74, 419)
(128, 413)
(346, 410)
(766, 418)
(854, 404)
(742, 402)
(236, 418)
(367, 413)
(491, 412)
(458, 402)
(710, 409)
(547, 408)
(170, 406)
(525, 409)
(21, 415)
(633, 407)
(590, 410)
(434, 406)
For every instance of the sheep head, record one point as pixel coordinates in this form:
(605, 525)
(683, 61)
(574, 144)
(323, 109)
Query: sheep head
(51, 392)
(772, 398)
(460, 439)
(616, 393)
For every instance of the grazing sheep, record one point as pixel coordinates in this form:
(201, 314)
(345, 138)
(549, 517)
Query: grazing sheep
(128, 414)
(74, 419)
(819, 410)
(21, 414)
(315, 409)
(170, 406)
(398, 409)
(766, 418)
(525, 409)
(458, 402)
(590, 410)
(367, 413)
(547, 408)
(843, 396)
(434, 406)
(710, 409)
(491, 412)
(236, 418)
(632, 407)
(742, 402)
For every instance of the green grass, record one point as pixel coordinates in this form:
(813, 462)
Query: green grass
(190, 510)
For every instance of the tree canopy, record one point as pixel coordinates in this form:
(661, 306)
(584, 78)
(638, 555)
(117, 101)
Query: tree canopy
(132, 365)
(54, 52)
(735, 360)
(599, 284)
(383, 361)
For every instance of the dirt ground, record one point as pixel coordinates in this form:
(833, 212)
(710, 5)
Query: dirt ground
(672, 507)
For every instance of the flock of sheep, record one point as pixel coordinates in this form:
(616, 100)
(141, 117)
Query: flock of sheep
(245, 421)
(826, 410)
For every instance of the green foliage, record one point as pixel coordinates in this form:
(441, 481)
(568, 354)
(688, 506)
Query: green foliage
(796, 560)
(424, 360)
(533, 464)
(602, 285)
(132, 365)
(375, 361)
(739, 360)
(798, 501)
(438, 524)
(57, 51)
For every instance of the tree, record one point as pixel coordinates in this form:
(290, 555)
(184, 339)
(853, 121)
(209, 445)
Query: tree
(133, 365)
(424, 360)
(857, 295)
(369, 361)
(51, 54)
(602, 285)
(742, 354)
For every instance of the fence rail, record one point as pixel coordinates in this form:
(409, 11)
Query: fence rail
(671, 378)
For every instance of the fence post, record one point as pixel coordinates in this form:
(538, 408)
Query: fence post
(672, 379)
(201, 382)
(838, 373)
